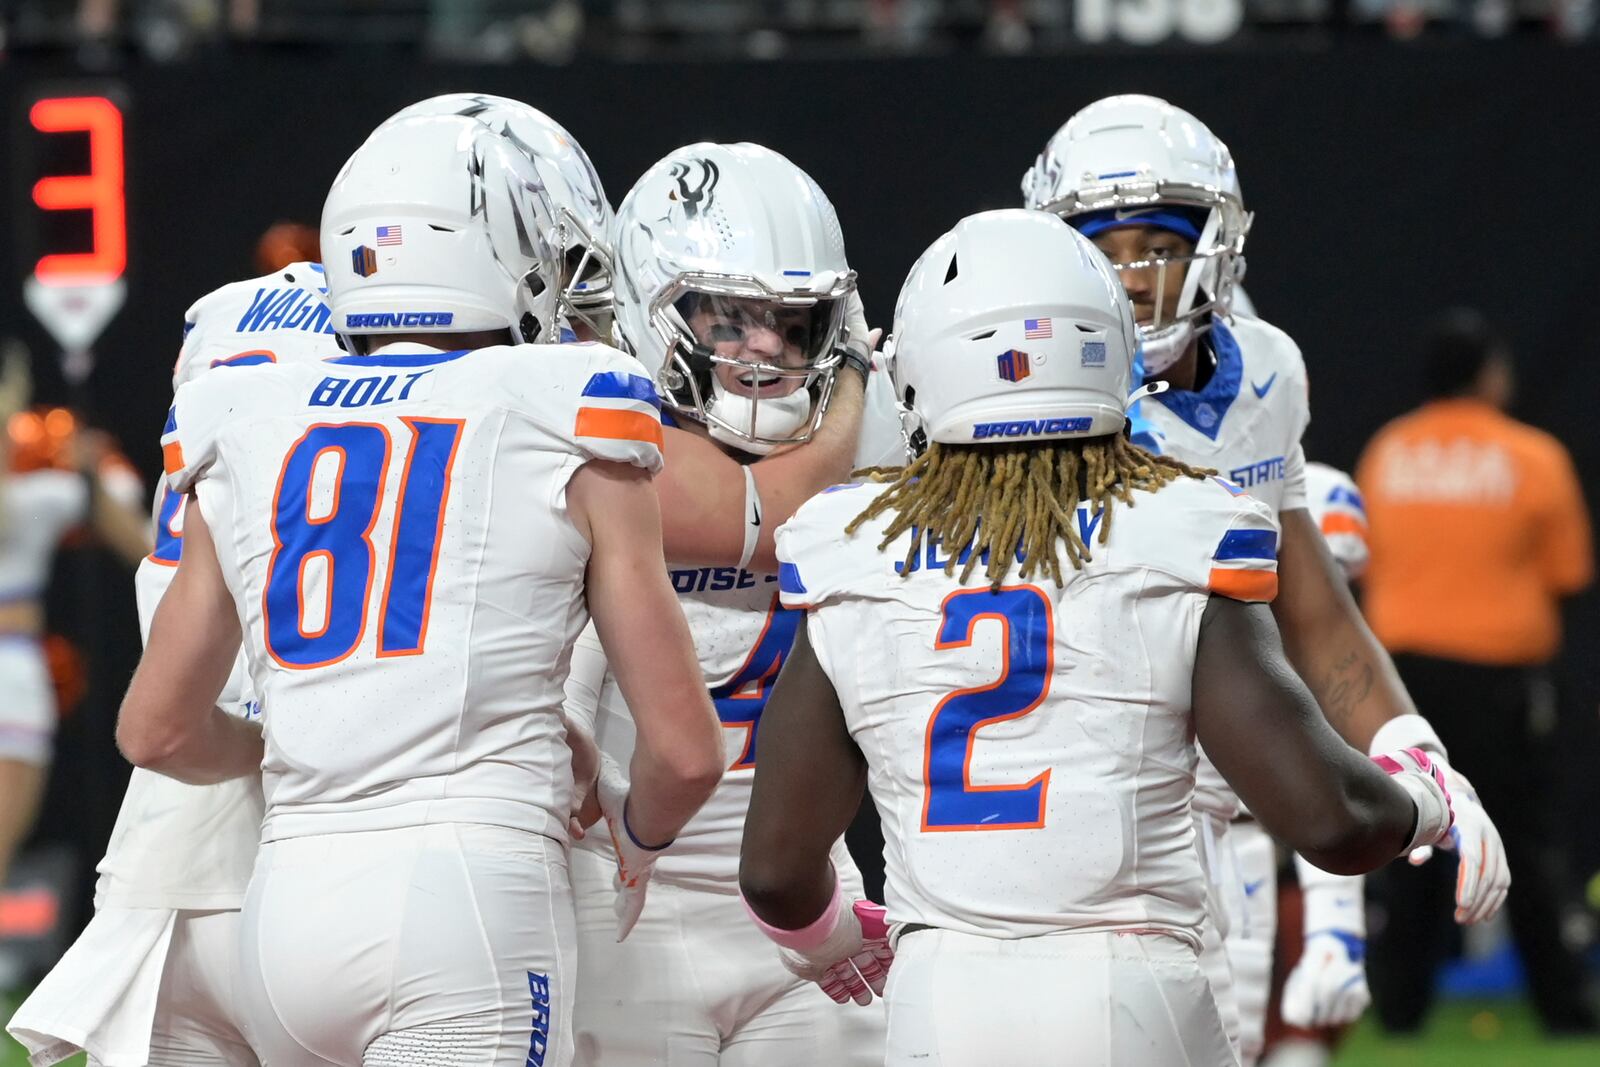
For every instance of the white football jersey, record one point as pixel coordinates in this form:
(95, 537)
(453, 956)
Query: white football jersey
(1030, 750)
(394, 530)
(187, 846)
(1248, 420)
(1341, 515)
(1246, 424)
(741, 634)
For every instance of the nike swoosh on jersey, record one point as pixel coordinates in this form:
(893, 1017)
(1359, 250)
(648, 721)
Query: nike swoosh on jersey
(1261, 391)
(1251, 887)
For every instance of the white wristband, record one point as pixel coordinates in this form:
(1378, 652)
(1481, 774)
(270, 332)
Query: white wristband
(752, 517)
(1407, 731)
(1330, 901)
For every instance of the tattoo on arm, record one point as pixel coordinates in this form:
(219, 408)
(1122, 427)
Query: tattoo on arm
(1344, 687)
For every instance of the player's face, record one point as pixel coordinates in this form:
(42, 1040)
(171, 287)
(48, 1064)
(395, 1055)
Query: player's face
(1152, 290)
(752, 332)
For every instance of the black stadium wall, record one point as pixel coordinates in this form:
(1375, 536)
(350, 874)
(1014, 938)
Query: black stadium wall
(1387, 182)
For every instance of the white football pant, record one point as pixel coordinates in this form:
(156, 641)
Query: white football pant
(433, 946)
(697, 985)
(1064, 1000)
(1214, 842)
(1252, 932)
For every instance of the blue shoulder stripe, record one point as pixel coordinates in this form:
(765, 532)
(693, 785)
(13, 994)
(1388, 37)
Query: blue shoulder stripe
(789, 579)
(172, 420)
(1247, 544)
(620, 385)
(1341, 495)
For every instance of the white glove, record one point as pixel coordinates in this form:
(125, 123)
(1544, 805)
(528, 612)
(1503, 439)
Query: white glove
(1483, 876)
(1328, 986)
(859, 339)
(1415, 771)
(635, 861)
(845, 951)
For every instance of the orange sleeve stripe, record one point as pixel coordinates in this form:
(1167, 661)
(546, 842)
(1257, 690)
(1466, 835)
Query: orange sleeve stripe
(618, 425)
(1245, 585)
(172, 457)
(1338, 523)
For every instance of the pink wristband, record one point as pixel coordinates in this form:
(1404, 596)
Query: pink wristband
(809, 936)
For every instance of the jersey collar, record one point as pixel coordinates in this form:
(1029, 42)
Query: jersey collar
(402, 354)
(1205, 409)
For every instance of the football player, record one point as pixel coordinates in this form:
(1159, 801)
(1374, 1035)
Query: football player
(1014, 642)
(1157, 192)
(410, 536)
(732, 287)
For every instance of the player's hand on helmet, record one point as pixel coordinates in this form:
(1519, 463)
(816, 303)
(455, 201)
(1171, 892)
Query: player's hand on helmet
(1328, 986)
(860, 340)
(1483, 877)
(635, 859)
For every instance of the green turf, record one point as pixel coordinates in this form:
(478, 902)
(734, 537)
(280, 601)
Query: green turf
(1462, 1034)
(1498, 1033)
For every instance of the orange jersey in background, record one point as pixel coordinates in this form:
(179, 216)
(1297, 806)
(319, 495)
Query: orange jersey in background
(1478, 528)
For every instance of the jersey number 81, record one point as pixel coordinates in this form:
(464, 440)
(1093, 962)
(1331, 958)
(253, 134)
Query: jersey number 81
(341, 539)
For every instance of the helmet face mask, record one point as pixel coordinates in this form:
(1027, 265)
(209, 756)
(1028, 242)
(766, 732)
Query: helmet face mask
(755, 366)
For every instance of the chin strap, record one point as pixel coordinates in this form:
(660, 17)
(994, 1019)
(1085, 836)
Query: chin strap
(1148, 389)
(752, 517)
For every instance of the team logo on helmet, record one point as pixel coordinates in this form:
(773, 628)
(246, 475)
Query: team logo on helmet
(364, 261)
(1013, 365)
(696, 182)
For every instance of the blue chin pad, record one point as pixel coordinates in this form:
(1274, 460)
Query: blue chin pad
(1141, 430)
(1185, 222)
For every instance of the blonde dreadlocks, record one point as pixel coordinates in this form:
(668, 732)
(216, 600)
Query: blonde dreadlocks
(1025, 495)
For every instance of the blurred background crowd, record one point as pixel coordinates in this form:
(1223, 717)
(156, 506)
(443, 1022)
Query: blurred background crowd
(558, 31)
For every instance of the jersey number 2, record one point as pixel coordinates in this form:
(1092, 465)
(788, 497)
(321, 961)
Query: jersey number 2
(341, 539)
(950, 800)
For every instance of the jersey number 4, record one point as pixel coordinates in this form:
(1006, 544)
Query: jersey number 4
(950, 800)
(338, 540)
(741, 699)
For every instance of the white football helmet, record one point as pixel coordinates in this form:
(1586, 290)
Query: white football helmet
(1011, 327)
(582, 217)
(1124, 158)
(432, 227)
(738, 243)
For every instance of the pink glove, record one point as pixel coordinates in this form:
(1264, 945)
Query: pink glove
(845, 951)
(1414, 771)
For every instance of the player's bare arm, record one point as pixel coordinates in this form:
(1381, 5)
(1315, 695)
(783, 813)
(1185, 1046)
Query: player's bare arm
(1261, 727)
(706, 522)
(169, 720)
(808, 786)
(1327, 640)
(678, 760)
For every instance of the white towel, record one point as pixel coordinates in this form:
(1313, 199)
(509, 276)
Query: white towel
(101, 996)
